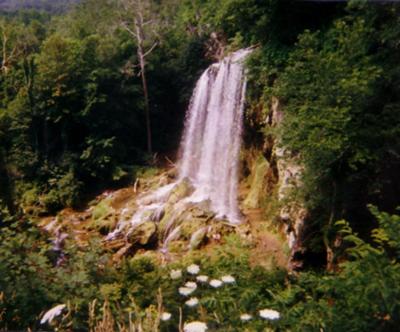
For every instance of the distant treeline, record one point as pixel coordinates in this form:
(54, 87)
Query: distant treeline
(46, 5)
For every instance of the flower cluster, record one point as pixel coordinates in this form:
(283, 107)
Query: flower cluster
(269, 314)
(192, 285)
(195, 327)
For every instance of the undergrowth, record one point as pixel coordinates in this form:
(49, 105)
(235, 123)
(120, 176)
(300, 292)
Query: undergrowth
(140, 293)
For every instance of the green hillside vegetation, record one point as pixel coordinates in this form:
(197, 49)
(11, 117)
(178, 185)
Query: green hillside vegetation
(73, 124)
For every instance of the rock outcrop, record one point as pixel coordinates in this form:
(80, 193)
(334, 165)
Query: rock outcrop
(276, 175)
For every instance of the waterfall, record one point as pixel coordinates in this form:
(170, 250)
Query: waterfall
(212, 135)
(209, 152)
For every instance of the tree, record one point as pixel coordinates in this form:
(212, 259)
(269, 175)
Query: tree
(140, 22)
(337, 119)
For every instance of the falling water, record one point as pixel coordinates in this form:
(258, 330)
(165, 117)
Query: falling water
(210, 146)
(212, 136)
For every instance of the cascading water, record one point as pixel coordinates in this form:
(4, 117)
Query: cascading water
(212, 136)
(210, 146)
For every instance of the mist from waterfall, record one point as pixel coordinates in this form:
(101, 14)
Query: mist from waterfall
(212, 135)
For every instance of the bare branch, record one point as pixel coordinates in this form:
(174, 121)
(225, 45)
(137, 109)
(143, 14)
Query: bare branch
(126, 27)
(148, 22)
(151, 49)
(170, 162)
(13, 52)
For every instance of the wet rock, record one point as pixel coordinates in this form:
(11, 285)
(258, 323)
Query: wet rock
(190, 226)
(147, 215)
(198, 238)
(144, 234)
(157, 214)
(202, 210)
(115, 244)
(172, 236)
(181, 190)
(169, 220)
(175, 215)
(257, 184)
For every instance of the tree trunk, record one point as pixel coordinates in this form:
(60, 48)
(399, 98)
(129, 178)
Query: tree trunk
(142, 63)
(147, 107)
(137, 30)
(330, 264)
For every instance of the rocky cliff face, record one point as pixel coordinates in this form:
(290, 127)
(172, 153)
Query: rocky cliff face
(275, 175)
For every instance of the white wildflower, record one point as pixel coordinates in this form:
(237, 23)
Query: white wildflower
(53, 312)
(175, 274)
(186, 291)
(191, 284)
(216, 283)
(192, 302)
(270, 314)
(228, 279)
(245, 317)
(202, 278)
(195, 327)
(193, 269)
(165, 316)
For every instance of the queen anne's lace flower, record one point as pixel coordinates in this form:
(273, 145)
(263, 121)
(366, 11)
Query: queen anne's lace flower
(53, 312)
(192, 302)
(191, 284)
(245, 317)
(193, 269)
(186, 291)
(228, 279)
(202, 278)
(195, 327)
(165, 316)
(215, 283)
(175, 274)
(270, 314)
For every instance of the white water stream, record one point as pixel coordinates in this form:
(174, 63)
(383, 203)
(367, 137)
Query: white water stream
(212, 136)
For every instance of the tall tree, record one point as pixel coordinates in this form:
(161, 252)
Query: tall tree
(139, 20)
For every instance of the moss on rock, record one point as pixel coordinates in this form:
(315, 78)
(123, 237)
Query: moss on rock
(257, 184)
(181, 190)
(144, 234)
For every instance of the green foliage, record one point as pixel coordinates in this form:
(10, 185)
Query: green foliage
(32, 282)
(366, 286)
(326, 85)
(362, 296)
(25, 273)
(331, 87)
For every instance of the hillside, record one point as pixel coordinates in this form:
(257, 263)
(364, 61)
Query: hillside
(46, 5)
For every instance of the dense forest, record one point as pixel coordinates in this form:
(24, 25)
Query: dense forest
(93, 96)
